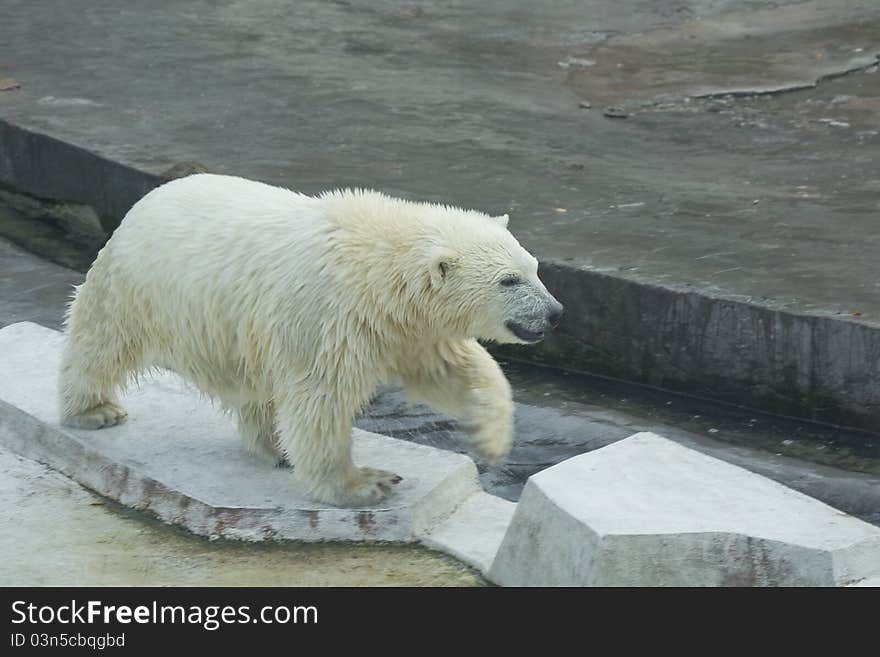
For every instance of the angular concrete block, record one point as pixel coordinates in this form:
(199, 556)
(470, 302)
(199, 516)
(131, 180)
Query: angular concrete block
(474, 531)
(646, 511)
(180, 458)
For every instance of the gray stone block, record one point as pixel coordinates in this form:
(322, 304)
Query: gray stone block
(648, 512)
(474, 531)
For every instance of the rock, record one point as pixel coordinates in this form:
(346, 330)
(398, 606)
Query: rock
(615, 113)
(646, 511)
(577, 62)
(183, 169)
(834, 123)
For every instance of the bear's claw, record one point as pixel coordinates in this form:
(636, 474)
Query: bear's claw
(366, 486)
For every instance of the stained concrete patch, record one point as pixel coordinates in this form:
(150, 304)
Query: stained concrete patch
(751, 52)
(648, 512)
(180, 459)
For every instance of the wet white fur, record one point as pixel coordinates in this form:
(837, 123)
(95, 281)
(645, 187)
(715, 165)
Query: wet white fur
(291, 309)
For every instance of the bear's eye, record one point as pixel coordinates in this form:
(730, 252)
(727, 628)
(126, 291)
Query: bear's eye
(509, 281)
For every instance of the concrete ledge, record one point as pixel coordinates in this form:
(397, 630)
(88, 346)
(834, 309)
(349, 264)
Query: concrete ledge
(48, 168)
(647, 512)
(741, 350)
(180, 459)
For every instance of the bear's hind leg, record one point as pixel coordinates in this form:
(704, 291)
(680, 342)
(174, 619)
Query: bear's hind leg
(90, 375)
(105, 413)
(88, 393)
(97, 360)
(256, 424)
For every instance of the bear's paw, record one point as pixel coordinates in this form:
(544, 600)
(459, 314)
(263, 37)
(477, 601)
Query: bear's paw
(104, 415)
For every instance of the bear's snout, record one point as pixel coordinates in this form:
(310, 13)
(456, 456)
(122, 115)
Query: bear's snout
(554, 314)
(538, 313)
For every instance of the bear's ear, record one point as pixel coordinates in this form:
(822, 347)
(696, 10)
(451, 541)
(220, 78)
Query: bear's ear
(501, 220)
(441, 261)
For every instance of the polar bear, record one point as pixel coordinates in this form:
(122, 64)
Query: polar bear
(291, 310)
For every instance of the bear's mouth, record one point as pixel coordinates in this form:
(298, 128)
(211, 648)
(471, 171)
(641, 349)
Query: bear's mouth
(523, 333)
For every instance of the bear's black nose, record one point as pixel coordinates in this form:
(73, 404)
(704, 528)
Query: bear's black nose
(555, 315)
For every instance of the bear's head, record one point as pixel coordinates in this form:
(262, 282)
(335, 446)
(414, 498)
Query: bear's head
(487, 283)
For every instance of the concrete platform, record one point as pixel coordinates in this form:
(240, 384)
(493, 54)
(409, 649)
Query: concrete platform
(56, 533)
(648, 512)
(747, 271)
(181, 460)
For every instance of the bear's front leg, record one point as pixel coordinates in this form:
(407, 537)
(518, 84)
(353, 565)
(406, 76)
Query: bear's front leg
(315, 434)
(462, 380)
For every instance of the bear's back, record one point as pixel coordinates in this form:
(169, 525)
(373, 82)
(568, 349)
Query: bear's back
(229, 264)
(215, 224)
(225, 207)
(220, 240)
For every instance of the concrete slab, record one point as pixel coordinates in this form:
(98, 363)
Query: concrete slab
(746, 271)
(648, 512)
(56, 533)
(179, 459)
(473, 533)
